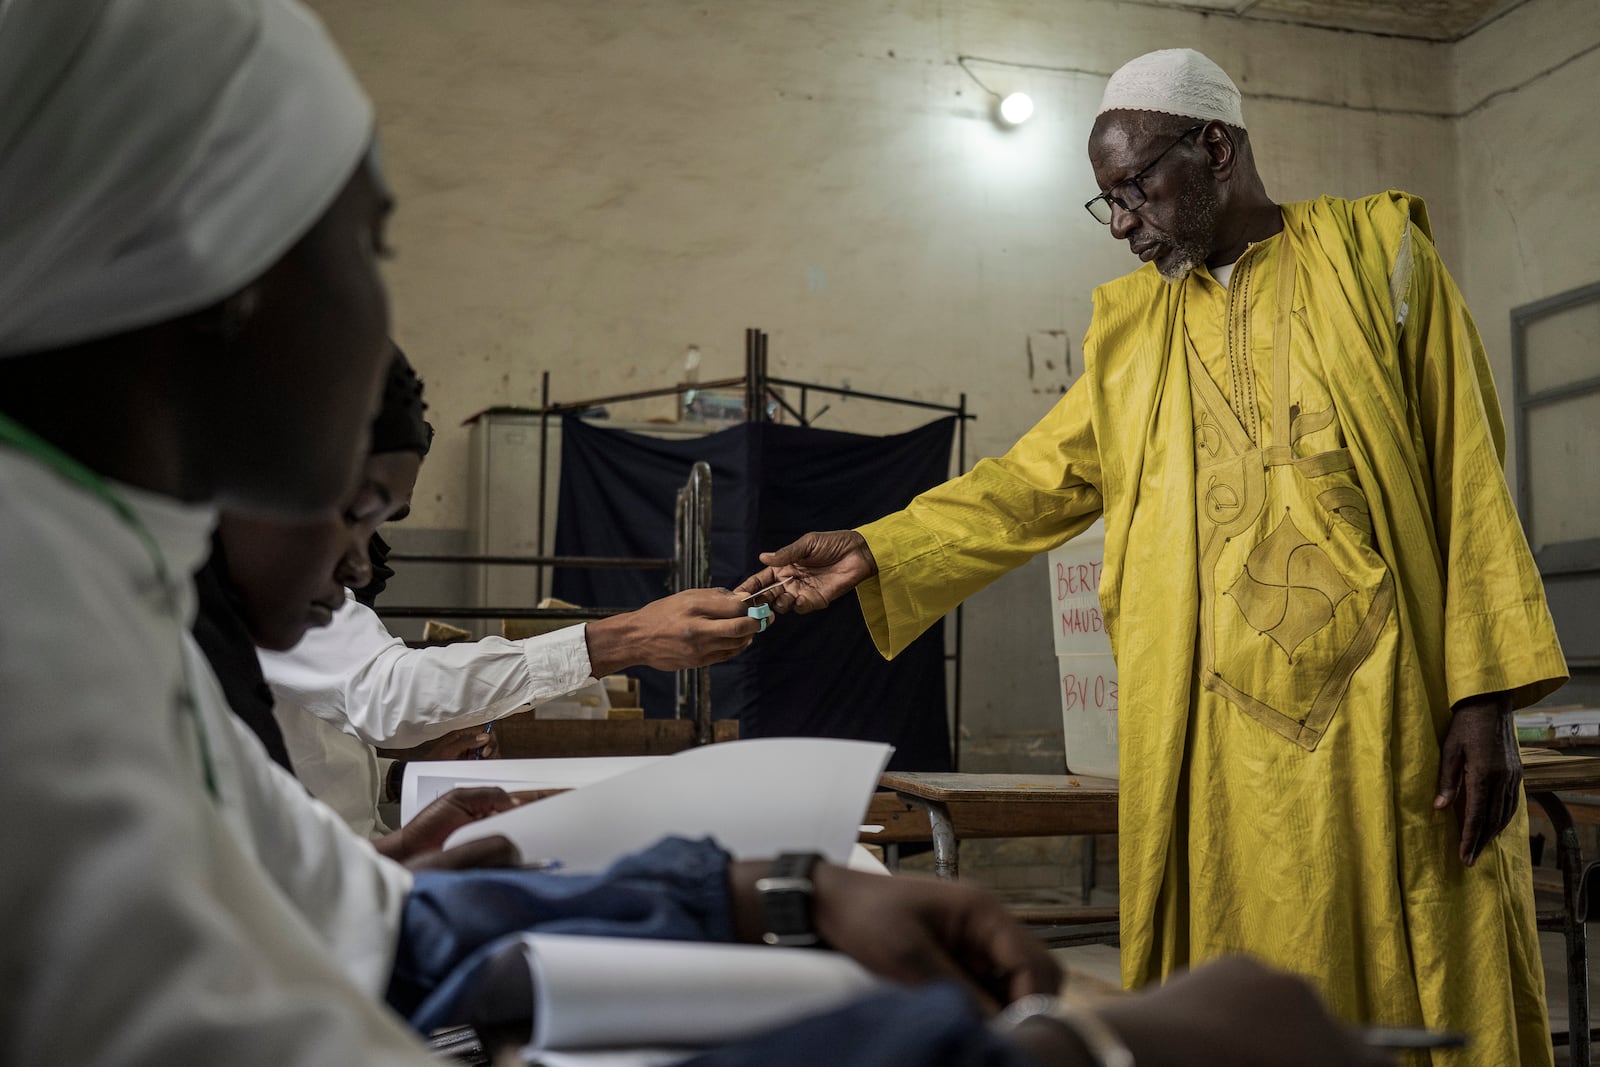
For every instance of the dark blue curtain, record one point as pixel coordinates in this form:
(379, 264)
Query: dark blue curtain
(816, 675)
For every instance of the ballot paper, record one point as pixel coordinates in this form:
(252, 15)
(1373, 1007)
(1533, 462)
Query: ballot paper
(631, 1001)
(756, 798)
(426, 781)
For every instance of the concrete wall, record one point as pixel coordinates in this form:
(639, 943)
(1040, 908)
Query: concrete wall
(589, 188)
(1530, 165)
(1530, 201)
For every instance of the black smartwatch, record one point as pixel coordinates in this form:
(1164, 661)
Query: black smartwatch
(786, 900)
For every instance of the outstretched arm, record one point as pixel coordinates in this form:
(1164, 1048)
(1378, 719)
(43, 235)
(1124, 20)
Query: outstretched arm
(357, 676)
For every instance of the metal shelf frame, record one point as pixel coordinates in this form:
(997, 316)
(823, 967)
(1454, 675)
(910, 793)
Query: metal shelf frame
(691, 563)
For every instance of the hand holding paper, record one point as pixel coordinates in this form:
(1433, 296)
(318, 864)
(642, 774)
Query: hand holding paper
(756, 798)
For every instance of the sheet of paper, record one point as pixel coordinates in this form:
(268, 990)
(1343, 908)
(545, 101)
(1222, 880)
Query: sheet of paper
(629, 1057)
(427, 780)
(619, 993)
(865, 862)
(756, 798)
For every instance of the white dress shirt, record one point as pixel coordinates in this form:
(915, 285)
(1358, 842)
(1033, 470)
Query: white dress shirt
(352, 685)
(148, 920)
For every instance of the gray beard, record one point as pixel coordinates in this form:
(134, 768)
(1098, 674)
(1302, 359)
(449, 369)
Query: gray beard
(1180, 268)
(1193, 247)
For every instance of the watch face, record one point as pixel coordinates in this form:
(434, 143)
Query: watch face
(786, 900)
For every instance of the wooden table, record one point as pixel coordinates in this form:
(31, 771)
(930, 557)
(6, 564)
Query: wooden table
(1024, 805)
(1005, 805)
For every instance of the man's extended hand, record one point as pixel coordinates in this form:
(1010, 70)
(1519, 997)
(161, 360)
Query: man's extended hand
(914, 930)
(693, 628)
(1480, 770)
(418, 843)
(823, 566)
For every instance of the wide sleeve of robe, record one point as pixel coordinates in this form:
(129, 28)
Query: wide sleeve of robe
(1498, 634)
(958, 537)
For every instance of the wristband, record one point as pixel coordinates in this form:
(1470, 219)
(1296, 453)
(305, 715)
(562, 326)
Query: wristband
(1106, 1049)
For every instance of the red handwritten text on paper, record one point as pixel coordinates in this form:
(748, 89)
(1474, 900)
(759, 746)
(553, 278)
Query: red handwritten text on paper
(1088, 691)
(1077, 579)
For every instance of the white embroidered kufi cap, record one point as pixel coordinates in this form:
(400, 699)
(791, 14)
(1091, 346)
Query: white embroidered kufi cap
(1175, 81)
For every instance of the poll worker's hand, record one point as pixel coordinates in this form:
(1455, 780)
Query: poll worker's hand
(823, 567)
(469, 742)
(482, 854)
(418, 843)
(693, 628)
(1233, 1013)
(1480, 770)
(913, 930)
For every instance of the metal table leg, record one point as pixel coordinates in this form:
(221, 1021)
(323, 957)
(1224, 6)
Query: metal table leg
(1569, 922)
(946, 850)
(1090, 862)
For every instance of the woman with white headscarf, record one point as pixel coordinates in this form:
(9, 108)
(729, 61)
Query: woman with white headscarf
(187, 291)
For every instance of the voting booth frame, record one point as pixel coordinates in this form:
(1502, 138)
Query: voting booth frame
(690, 564)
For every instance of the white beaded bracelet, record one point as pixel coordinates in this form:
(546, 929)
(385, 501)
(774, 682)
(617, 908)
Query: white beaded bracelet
(1105, 1047)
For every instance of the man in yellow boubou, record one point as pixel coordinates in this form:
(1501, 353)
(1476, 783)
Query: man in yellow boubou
(1321, 602)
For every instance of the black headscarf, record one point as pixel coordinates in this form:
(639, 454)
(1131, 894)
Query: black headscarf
(220, 630)
(399, 427)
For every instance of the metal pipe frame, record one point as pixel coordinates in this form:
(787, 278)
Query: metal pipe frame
(642, 563)
(883, 397)
(425, 612)
(544, 492)
(692, 539)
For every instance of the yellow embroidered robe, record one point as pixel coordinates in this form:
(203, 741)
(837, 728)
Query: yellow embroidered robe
(1311, 555)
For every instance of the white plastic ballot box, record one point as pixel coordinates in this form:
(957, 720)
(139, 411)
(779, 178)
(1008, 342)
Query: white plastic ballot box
(1087, 672)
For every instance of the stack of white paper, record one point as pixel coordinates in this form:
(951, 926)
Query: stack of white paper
(613, 1000)
(756, 798)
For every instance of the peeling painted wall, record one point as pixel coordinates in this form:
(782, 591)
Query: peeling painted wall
(589, 188)
(1531, 224)
(1530, 166)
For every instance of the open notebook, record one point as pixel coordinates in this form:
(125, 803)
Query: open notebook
(756, 798)
(609, 1002)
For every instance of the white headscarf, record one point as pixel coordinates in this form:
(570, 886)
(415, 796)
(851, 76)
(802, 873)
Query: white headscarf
(156, 156)
(1175, 81)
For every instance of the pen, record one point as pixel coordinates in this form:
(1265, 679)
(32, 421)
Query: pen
(1404, 1037)
(768, 589)
(477, 753)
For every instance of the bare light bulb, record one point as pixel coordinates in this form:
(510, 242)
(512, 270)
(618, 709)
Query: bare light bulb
(1016, 109)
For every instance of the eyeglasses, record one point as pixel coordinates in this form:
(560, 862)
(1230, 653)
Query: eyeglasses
(1128, 195)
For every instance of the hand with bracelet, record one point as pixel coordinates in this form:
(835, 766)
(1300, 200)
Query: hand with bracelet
(914, 930)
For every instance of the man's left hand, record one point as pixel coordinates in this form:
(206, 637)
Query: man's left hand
(1480, 770)
(417, 844)
(469, 742)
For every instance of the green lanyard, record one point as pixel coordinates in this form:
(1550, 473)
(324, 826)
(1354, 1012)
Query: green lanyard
(35, 447)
